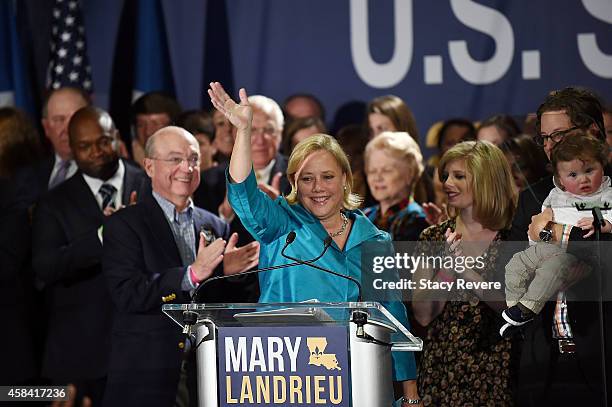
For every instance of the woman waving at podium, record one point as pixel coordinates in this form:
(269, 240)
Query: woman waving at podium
(320, 206)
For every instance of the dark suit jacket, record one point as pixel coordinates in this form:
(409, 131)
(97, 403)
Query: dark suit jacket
(67, 259)
(144, 270)
(16, 342)
(536, 366)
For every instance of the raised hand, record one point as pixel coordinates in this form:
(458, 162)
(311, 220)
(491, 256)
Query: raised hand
(240, 115)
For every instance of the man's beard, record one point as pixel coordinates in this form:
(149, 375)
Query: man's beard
(106, 171)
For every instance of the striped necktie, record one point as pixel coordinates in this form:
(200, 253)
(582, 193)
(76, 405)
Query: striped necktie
(107, 192)
(60, 175)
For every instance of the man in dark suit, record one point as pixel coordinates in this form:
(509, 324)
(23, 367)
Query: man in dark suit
(67, 253)
(563, 364)
(35, 180)
(152, 256)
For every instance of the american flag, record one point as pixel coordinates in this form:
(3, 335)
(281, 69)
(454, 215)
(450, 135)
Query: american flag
(68, 63)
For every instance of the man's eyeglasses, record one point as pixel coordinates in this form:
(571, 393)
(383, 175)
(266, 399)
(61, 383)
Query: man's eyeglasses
(177, 161)
(555, 136)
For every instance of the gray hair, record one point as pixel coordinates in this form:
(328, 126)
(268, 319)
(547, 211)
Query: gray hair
(269, 107)
(400, 145)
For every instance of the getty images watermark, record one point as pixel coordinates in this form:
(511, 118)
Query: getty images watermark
(451, 266)
(476, 272)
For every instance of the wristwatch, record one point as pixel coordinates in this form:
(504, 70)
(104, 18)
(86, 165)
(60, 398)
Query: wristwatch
(406, 400)
(546, 234)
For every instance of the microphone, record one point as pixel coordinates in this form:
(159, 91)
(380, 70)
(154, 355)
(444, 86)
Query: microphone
(326, 243)
(359, 317)
(290, 238)
(191, 317)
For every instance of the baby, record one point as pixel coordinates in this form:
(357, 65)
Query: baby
(534, 275)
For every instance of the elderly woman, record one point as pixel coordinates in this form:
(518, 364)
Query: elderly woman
(320, 205)
(391, 113)
(464, 362)
(393, 163)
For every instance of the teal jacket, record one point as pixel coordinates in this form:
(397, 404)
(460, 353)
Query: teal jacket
(271, 221)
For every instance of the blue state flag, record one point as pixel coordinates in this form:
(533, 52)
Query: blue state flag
(14, 85)
(153, 69)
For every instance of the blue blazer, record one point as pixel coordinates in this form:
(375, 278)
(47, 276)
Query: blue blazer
(143, 269)
(271, 221)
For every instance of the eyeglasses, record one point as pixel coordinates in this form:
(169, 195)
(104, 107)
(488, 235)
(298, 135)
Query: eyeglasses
(177, 161)
(555, 136)
(265, 131)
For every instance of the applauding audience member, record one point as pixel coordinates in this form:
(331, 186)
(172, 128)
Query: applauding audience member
(67, 253)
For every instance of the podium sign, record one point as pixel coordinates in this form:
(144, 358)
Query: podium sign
(294, 354)
(279, 366)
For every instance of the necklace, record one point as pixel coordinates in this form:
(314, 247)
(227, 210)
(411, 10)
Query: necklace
(342, 228)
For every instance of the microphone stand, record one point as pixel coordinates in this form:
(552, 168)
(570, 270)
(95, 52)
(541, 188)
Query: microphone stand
(598, 222)
(190, 317)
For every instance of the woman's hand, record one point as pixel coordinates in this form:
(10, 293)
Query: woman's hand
(240, 115)
(453, 239)
(435, 214)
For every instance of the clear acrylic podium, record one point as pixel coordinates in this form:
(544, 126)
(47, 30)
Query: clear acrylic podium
(370, 340)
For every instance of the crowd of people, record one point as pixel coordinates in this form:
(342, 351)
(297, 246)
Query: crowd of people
(103, 230)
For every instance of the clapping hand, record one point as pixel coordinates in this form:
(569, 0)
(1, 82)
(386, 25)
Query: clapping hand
(434, 214)
(273, 189)
(239, 259)
(109, 210)
(239, 115)
(208, 257)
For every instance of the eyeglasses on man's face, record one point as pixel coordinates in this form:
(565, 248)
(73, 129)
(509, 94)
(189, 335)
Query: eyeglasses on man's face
(555, 136)
(193, 161)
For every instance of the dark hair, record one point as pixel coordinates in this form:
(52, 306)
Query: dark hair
(156, 102)
(19, 141)
(197, 122)
(503, 123)
(580, 145)
(533, 155)
(77, 91)
(581, 105)
(297, 125)
(459, 122)
(308, 96)
(397, 111)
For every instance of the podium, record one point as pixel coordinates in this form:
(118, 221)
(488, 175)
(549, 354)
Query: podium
(309, 353)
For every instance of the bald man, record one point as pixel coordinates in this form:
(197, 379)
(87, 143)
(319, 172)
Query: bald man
(156, 252)
(67, 253)
(32, 182)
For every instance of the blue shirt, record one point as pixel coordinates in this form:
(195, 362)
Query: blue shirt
(271, 221)
(182, 227)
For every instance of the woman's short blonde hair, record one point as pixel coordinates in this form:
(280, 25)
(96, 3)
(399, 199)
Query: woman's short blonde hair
(314, 143)
(400, 146)
(490, 180)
